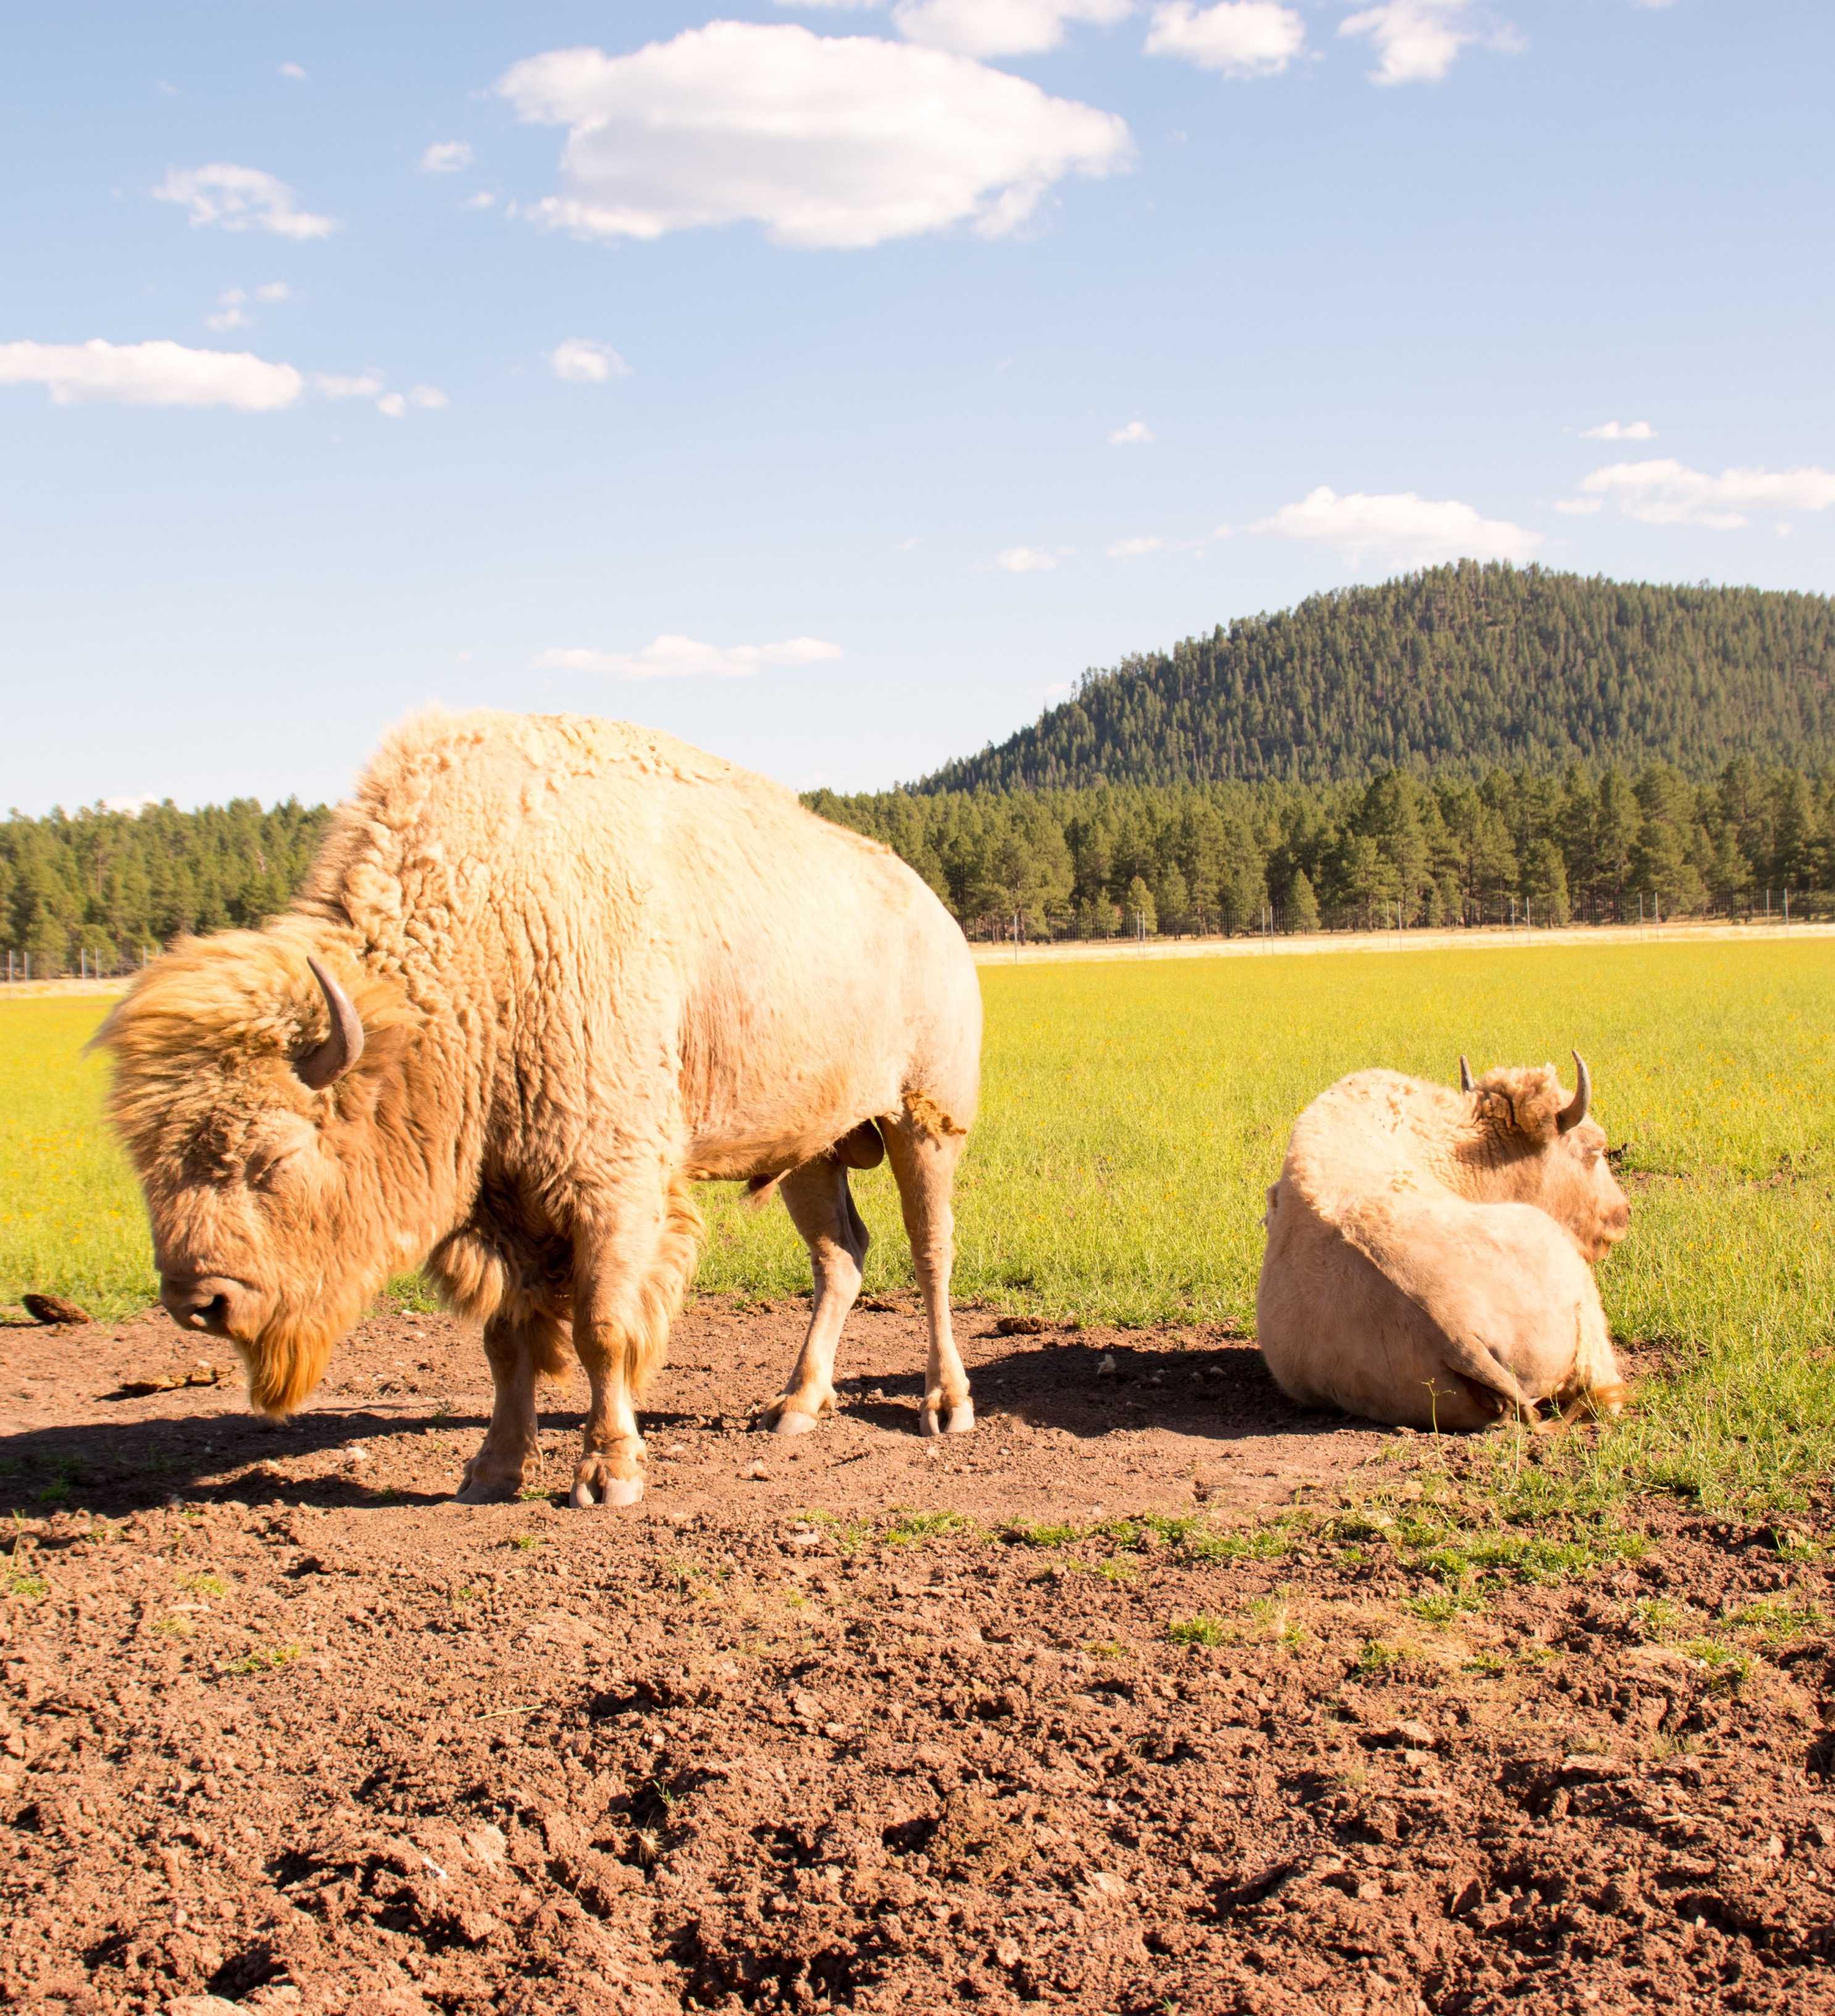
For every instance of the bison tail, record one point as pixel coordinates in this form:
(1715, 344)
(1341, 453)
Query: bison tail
(761, 1189)
(661, 1298)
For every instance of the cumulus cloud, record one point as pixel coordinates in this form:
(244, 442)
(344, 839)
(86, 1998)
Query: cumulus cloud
(1133, 549)
(1134, 434)
(1026, 560)
(1620, 430)
(274, 290)
(1000, 27)
(334, 385)
(230, 310)
(241, 200)
(1401, 528)
(133, 806)
(150, 374)
(825, 140)
(1419, 41)
(294, 71)
(1240, 38)
(446, 157)
(580, 360)
(671, 657)
(1664, 492)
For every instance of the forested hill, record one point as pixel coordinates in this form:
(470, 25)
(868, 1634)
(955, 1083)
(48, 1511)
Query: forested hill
(1463, 666)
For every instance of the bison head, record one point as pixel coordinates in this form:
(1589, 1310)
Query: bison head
(1535, 1144)
(263, 1100)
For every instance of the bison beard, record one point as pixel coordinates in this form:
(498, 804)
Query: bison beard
(546, 973)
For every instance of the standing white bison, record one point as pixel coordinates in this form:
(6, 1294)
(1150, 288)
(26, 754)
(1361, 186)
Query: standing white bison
(546, 972)
(1429, 1252)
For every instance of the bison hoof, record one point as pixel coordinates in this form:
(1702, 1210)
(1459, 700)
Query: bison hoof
(594, 1484)
(488, 1491)
(957, 1420)
(791, 1421)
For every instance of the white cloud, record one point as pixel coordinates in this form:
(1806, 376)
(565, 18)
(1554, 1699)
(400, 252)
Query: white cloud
(230, 311)
(241, 200)
(1400, 528)
(1620, 430)
(682, 658)
(1663, 492)
(1240, 38)
(332, 385)
(133, 806)
(292, 70)
(274, 290)
(1000, 27)
(1026, 560)
(580, 360)
(391, 405)
(150, 374)
(446, 157)
(1133, 549)
(1420, 39)
(430, 398)
(479, 199)
(1135, 432)
(825, 140)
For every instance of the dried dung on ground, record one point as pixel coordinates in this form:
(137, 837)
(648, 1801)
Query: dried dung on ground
(283, 1725)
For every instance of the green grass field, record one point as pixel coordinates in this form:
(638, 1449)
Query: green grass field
(1134, 1114)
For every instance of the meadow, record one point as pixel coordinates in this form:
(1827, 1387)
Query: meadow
(1134, 1114)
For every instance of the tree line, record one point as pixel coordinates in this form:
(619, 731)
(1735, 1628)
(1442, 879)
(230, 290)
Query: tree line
(1398, 849)
(97, 890)
(1470, 667)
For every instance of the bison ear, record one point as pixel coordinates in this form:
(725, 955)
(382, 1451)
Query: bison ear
(1465, 1072)
(340, 1050)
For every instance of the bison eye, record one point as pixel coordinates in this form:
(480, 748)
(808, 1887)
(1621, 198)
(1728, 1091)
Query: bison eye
(266, 1165)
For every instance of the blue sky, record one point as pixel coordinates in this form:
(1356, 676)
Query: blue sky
(833, 386)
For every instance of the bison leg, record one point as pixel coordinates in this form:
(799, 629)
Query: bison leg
(628, 1285)
(821, 1207)
(518, 1348)
(923, 1165)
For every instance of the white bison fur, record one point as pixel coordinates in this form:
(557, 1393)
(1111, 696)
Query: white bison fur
(1429, 1259)
(564, 969)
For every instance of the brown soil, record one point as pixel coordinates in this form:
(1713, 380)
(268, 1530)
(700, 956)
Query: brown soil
(284, 1726)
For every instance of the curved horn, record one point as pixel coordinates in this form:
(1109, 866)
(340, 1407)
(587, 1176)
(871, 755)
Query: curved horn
(1465, 1074)
(343, 1047)
(1571, 1116)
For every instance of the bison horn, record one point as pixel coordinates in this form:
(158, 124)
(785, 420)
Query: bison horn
(1466, 1083)
(1572, 1115)
(343, 1047)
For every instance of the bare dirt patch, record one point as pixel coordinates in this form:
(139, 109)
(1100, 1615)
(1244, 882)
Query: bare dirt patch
(889, 1727)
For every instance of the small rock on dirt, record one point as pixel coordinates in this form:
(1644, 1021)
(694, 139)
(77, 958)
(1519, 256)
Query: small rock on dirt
(54, 1309)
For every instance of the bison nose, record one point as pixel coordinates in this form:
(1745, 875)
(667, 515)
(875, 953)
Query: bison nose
(197, 1302)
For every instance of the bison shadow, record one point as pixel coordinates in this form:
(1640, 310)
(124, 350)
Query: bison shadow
(115, 1469)
(1222, 1391)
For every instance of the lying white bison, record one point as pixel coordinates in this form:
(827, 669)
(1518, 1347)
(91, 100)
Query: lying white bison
(546, 972)
(1429, 1252)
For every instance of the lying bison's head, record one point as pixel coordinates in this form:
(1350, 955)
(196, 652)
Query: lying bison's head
(262, 1101)
(1535, 1144)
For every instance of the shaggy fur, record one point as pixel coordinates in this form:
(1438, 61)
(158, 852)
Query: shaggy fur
(593, 965)
(1429, 1253)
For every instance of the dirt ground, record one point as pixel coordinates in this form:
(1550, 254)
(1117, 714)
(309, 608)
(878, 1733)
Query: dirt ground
(283, 1727)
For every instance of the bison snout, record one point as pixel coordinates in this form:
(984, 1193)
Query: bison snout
(201, 1301)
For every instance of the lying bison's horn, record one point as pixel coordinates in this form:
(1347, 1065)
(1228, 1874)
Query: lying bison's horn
(1572, 1115)
(1466, 1083)
(343, 1047)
